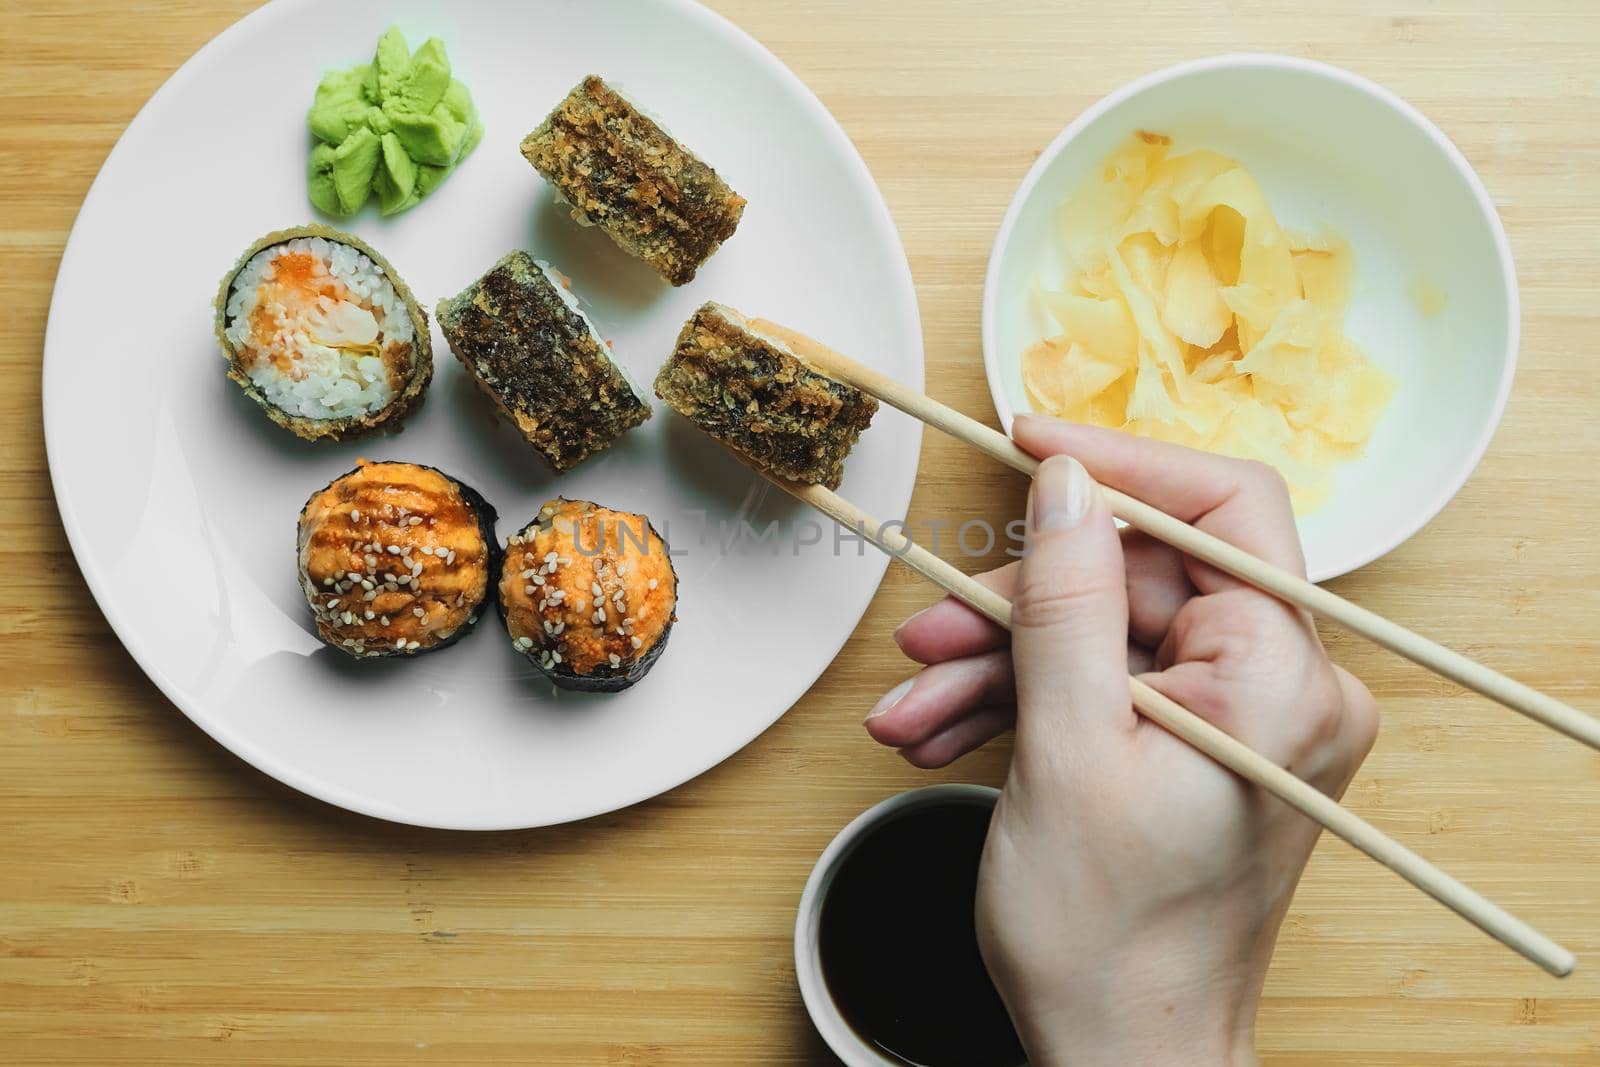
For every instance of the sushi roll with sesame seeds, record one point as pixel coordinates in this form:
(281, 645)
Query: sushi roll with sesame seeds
(589, 595)
(320, 331)
(396, 559)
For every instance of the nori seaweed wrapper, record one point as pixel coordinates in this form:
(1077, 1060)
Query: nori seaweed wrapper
(540, 363)
(755, 395)
(617, 168)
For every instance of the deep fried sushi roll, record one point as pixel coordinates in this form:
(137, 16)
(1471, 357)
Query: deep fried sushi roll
(522, 336)
(589, 595)
(321, 332)
(620, 171)
(396, 559)
(753, 390)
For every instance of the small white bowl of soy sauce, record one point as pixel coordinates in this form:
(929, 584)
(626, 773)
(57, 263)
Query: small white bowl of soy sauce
(885, 946)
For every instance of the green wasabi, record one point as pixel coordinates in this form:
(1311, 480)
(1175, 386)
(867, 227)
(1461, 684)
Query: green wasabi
(395, 127)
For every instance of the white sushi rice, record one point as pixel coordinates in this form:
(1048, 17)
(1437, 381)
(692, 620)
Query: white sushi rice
(317, 358)
(563, 287)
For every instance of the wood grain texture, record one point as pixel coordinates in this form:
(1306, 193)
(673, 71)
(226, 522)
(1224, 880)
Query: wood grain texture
(161, 902)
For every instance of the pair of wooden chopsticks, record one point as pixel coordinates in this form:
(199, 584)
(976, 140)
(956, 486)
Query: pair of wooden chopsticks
(1220, 746)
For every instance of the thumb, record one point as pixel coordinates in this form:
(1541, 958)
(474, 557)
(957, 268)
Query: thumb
(1070, 614)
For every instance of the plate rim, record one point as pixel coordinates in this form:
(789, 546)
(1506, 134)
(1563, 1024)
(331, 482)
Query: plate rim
(330, 792)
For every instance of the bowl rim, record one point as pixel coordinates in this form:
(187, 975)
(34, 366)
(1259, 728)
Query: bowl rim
(1469, 460)
(819, 1003)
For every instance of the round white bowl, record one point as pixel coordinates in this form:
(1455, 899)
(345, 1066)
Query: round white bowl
(844, 1041)
(1329, 149)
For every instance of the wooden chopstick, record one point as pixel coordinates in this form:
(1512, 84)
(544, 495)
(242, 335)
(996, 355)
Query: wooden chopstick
(1220, 554)
(1221, 747)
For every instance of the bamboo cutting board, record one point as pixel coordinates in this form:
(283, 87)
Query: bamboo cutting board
(162, 902)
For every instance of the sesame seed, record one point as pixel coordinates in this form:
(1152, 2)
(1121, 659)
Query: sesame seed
(552, 557)
(393, 550)
(414, 521)
(616, 598)
(616, 660)
(637, 644)
(653, 583)
(327, 581)
(546, 661)
(528, 590)
(354, 576)
(471, 619)
(528, 574)
(384, 620)
(415, 645)
(355, 514)
(537, 579)
(416, 568)
(418, 612)
(598, 617)
(369, 615)
(622, 569)
(349, 618)
(563, 560)
(370, 594)
(557, 595)
(452, 556)
(427, 550)
(549, 627)
(594, 587)
(555, 656)
(400, 645)
(366, 583)
(561, 624)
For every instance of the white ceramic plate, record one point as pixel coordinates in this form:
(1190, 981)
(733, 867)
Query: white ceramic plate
(1330, 149)
(180, 499)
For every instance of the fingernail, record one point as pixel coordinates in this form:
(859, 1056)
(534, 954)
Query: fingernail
(1062, 494)
(891, 698)
(906, 625)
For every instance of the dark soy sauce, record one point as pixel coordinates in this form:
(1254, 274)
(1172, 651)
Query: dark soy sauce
(899, 949)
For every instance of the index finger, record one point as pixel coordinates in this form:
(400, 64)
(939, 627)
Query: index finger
(1243, 502)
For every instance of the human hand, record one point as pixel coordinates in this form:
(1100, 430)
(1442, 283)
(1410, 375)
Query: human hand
(1131, 889)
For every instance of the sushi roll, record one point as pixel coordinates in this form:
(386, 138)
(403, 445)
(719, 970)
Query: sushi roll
(522, 336)
(321, 332)
(588, 595)
(619, 170)
(396, 559)
(752, 389)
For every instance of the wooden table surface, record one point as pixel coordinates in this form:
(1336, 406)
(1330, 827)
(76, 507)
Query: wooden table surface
(162, 902)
